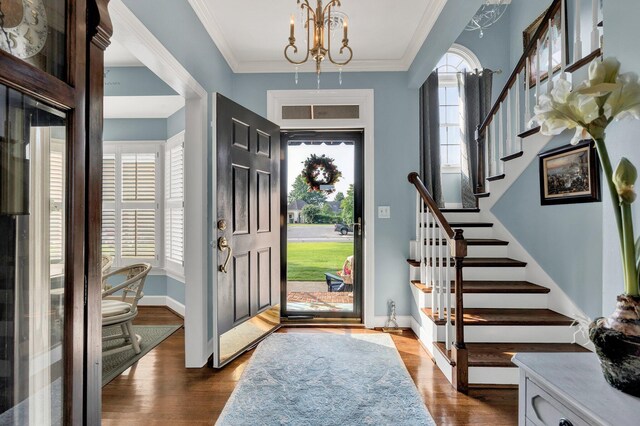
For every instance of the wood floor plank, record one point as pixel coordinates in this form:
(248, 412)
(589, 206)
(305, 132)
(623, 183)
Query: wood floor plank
(158, 390)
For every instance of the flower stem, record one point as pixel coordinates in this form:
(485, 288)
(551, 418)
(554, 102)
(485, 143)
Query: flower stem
(629, 258)
(607, 170)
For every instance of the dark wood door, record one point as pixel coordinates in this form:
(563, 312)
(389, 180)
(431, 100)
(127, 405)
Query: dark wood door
(248, 231)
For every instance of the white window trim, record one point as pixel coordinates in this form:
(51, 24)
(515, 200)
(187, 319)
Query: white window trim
(124, 147)
(172, 268)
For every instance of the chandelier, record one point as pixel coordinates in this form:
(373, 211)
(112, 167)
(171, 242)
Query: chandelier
(488, 14)
(322, 25)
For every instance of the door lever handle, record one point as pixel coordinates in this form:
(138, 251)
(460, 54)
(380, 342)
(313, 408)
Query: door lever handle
(358, 225)
(223, 245)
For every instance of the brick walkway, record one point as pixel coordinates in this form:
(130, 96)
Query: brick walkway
(325, 297)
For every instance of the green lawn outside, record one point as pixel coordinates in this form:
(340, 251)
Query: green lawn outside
(309, 261)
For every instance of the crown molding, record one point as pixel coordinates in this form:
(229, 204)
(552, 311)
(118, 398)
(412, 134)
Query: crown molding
(428, 20)
(206, 16)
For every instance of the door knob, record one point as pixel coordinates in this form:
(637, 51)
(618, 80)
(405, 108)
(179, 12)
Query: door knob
(223, 245)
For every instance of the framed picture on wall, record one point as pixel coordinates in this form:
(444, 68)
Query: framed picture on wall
(556, 28)
(570, 174)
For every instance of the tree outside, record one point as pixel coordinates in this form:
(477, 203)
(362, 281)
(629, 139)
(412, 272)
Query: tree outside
(347, 206)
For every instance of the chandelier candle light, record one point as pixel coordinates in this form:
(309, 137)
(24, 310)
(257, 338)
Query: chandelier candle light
(321, 21)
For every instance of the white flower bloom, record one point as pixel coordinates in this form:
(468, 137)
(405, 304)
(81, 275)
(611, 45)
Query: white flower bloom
(624, 102)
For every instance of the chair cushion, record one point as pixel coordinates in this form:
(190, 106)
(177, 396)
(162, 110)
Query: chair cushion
(112, 308)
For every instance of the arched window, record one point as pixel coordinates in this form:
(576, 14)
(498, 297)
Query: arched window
(457, 59)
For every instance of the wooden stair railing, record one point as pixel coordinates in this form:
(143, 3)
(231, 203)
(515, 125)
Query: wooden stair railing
(499, 137)
(435, 263)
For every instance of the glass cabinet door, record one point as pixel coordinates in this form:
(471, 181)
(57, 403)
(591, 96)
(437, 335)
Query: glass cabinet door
(35, 31)
(33, 181)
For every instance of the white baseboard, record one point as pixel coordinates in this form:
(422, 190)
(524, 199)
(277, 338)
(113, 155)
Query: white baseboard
(167, 301)
(404, 321)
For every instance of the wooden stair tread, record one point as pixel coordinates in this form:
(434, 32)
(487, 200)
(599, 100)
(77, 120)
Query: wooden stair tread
(496, 177)
(500, 354)
(512, 156)
(450, 210)
(530, 132)
(480, 262)
(482, 194)
(490, 287)
(474, 242)
(466, 224)
(502, 316)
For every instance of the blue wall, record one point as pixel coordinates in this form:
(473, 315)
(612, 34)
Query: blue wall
(134, 81)
(396, 145)
(560, 238)
(176, 123)
(452, 19)
(621, 41)
(135, 129)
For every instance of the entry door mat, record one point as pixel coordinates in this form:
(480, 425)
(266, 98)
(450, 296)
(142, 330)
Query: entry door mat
(312, 379)
(151, 336)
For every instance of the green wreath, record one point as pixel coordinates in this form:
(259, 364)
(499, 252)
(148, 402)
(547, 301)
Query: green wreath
(319, 171)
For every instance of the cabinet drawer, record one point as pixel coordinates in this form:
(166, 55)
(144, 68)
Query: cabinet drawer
(544, 410)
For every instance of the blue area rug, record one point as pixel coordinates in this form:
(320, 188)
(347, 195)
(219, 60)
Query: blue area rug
(325, 379)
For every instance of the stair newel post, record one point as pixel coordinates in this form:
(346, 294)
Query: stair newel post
(425, 219)
(481, 173)
(448, 295)
(459, 350)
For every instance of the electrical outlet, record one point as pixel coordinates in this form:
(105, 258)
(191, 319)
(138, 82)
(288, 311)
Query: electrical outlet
(384, 212)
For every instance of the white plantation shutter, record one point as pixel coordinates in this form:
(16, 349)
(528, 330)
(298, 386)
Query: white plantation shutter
(174, 203)
(138, 234)
(131, 226)
(56, 201)
(109, 232)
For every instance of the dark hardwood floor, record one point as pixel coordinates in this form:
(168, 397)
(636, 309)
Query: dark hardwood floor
(158, 390)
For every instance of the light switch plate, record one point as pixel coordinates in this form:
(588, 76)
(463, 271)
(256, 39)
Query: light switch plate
(384, 212)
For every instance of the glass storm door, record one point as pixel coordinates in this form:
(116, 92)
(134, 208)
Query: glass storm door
(322, 233)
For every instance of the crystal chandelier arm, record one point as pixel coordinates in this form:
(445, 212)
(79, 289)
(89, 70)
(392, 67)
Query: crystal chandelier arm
(344, 46)
(292, 40)
(329, 5)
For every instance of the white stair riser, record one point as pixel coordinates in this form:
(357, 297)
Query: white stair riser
(504, 333)
(422, 300)
(518, 334)
(480, 274)
(494, 375)
(462, 217)
(495, 300)
(494, 274)
(471, 232)
(426, 335)
(472, 251)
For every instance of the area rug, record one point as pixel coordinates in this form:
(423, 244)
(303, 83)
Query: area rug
(151, 336)
(324, 379)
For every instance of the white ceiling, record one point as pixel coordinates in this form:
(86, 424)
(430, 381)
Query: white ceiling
(252, 34)
(141, 106)
(117, 55)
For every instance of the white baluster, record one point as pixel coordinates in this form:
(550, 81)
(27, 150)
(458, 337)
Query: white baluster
(423, 247)
(577, 44)
(538, 72)
(595, 36)
(449, 326)
(494, 165)
(508, 142)
(418, 218)
(518, 129)
(527, 93)
(487, 144)
(500, 139)
(550, 63)
(432, 275)
(563, 44)
(440, 277)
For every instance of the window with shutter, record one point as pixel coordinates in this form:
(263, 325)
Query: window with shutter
(56, 201)
(174, 204)
(131, 223)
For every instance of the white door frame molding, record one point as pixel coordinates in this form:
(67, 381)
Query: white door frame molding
(364, 98)
(131, 33)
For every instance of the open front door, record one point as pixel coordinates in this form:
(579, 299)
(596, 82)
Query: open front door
(247, 293)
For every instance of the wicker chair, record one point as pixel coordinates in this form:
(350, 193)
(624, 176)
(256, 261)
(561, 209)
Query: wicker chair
(122, 312)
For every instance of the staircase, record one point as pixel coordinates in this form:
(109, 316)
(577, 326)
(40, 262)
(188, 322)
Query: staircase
(477, 300)
(502, 312)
